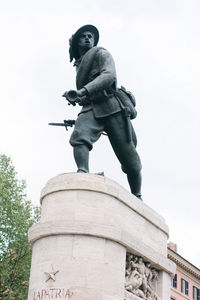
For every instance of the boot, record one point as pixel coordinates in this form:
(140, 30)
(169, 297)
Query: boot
(135, 181)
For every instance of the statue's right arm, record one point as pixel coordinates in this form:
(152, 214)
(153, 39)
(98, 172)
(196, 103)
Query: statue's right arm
(107, 73)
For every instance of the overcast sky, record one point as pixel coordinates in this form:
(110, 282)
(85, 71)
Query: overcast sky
(156, 47)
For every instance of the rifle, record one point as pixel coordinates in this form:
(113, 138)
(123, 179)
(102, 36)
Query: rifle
(67, 123)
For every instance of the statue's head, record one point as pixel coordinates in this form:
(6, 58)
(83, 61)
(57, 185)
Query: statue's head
(140, 260)
(148, 264)
(87, 36)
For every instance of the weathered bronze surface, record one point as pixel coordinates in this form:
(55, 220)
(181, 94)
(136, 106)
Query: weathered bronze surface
(105, 108)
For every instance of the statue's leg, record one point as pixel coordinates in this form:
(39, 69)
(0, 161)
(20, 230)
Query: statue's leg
(87, 131)
(116, 128)
(81, 156)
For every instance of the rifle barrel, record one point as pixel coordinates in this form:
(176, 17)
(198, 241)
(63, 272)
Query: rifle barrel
(59, 124)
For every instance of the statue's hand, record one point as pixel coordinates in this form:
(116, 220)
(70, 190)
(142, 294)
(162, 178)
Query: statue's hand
(82, 92)
(83, 101)
(83, 97)
(79, 93)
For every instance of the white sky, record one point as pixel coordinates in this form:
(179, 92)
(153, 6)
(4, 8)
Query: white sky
(156, 46)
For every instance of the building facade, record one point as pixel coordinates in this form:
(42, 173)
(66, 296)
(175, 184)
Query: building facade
(186, 282)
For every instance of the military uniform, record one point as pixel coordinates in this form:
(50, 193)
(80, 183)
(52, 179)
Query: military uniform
(103, 112)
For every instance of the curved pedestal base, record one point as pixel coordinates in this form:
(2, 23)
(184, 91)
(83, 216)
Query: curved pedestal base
(88, 224)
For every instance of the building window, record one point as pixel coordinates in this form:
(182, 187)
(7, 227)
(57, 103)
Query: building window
(184, 286)
(174, 281)
(196, 293)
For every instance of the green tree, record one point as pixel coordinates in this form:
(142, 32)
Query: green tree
(17, 215)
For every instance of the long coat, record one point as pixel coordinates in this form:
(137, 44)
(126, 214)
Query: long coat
(97, 74)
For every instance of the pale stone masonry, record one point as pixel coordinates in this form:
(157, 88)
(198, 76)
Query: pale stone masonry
(88, 224)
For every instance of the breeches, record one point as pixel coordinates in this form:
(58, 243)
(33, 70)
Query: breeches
(88, 130)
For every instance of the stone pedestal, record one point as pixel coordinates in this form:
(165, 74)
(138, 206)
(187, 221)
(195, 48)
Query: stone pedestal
(88, 223)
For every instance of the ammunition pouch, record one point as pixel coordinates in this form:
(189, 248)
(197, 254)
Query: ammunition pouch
(126, 101)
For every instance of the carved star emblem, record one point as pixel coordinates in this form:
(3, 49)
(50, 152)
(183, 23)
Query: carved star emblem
(51, 274)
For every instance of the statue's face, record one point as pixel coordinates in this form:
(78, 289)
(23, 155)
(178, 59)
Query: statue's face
(86, 40)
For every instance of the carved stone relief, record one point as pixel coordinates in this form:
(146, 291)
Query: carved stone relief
(140, 278)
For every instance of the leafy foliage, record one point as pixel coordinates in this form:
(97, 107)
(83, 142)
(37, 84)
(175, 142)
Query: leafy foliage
(17, 215)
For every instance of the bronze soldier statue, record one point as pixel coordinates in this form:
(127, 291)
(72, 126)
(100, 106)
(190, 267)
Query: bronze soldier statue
(102, 107)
